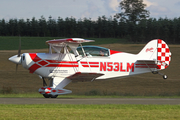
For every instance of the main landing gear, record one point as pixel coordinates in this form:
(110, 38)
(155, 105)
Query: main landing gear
(52, 91)
(50, 96)
(164, 76)
(47, 95)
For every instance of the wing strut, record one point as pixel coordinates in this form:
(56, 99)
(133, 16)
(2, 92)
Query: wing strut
(85, 56)
(44, 82)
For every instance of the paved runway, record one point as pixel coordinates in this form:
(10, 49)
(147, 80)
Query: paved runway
(170, 101)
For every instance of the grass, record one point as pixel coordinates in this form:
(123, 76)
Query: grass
(12, 43)
(37, 95)
(21, 95)
(90, 112)
(23, 84)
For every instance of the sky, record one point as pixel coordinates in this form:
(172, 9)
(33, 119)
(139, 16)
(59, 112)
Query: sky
(23, 9)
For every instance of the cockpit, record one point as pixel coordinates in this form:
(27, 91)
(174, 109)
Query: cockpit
(73, 46)
(93, 51)
(81, 50)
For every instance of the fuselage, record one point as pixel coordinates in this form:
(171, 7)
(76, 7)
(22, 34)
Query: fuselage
(63, 65)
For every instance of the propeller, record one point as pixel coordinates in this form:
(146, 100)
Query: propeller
(19, 51)
(17, 59)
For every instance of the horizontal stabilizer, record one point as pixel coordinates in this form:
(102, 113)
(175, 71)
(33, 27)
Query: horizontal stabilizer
(79, 76)
(146, 60)
(151, 64)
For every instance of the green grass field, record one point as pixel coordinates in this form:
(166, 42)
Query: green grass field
(23, 84)
(12, 43)
(90, 112)
(74, 96)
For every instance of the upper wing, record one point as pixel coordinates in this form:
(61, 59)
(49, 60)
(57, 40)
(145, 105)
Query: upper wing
(73, 43)
(68, 40)
(79, 76)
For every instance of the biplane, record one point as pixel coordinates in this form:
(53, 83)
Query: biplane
(67, 61)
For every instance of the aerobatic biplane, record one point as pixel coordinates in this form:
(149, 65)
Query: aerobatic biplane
(68, 61)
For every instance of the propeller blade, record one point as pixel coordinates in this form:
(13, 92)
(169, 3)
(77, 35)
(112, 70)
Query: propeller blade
(19, 50)
(16, 67)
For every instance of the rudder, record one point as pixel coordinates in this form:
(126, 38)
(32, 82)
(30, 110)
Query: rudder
(163, 55)
(158, 51)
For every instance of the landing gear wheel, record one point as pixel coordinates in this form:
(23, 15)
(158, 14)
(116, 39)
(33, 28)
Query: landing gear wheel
(165, 76)
(46, 95)
(54, 96)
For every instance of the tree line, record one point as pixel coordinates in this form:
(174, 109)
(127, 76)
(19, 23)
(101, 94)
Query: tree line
(104, 27)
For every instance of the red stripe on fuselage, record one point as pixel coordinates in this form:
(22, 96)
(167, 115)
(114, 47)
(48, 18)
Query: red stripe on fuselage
(90, 64)
(33, 68)
(114, 52)
(56, 61)
(34, 57)
(49, 63)
(62, 65)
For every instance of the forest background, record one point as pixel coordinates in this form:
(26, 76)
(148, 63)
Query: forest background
(136, 28)
(103, 27)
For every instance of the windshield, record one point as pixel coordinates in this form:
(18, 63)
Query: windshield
(93, 51)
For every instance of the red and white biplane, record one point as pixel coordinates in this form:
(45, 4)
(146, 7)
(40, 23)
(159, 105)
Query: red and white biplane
(68, 61)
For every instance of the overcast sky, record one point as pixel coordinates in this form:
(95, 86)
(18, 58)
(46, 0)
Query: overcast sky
(80, 8)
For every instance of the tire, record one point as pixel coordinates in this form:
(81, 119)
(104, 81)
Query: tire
(165, 76)
(54, 96)
(46, 95)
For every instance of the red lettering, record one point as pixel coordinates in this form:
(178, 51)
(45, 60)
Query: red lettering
(109, 66)
(121, 68)
(102, 66)
(130, 67)
(149, 49)
(116, 66)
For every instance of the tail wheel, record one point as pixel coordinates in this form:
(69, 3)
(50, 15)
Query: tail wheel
(165, 76)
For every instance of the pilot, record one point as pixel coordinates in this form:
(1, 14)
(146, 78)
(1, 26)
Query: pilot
(101, 53)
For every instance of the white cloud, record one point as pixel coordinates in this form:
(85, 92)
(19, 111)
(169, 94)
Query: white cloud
(114, 4)
(110, 7)
(148, 3)
(92, 10)
(159, 11)
(79, 8)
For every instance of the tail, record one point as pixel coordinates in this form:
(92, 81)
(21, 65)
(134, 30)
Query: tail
(158, 51)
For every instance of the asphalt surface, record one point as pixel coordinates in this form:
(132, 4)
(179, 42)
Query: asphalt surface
(160, 101)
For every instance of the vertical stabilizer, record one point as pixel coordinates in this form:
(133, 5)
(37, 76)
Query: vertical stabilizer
(157, 51)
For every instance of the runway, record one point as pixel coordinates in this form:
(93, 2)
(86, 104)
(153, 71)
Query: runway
(143, 101)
